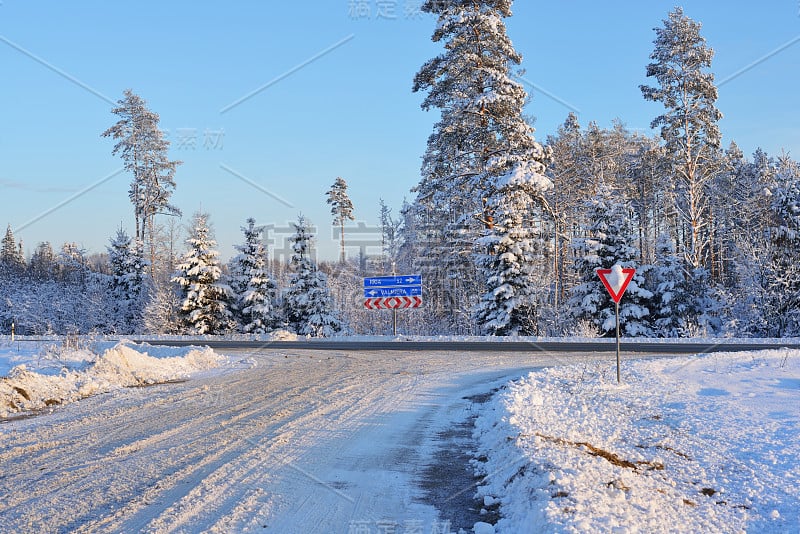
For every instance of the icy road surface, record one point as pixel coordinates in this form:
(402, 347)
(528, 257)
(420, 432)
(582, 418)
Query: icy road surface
(289, 442)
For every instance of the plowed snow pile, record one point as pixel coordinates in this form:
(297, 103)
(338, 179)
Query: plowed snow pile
(74, 374)
(702, 444)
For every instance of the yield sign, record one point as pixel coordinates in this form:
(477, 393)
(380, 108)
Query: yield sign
(616, 280)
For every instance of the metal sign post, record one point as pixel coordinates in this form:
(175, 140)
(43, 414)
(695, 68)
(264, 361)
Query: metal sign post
(616, 281)
(619, 375)
(394, 310)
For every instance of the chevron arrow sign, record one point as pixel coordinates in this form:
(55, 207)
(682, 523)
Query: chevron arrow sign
(392, 303)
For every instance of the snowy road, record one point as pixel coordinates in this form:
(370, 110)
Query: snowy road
(287, 441)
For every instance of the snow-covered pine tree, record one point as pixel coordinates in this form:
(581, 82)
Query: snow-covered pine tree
(143, 149)
(204, 298)
(689, 126)
(566, 198)
(481, 134)
(252, 286)
(725, 212)
(128, 281)
(308, 303)
(341, 209)
(514, 248)
(643, 179)
(608, 235)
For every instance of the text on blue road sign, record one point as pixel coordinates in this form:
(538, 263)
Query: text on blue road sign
(373, 292)
(394, 281)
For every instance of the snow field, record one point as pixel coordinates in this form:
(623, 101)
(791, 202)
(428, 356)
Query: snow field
(40, 376)
(701, 444)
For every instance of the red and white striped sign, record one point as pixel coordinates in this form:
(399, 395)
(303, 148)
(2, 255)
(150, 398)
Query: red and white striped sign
(392, 303)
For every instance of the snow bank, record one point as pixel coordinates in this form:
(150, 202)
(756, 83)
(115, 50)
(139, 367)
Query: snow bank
(72, 374)
(701, 444)
(285, 335)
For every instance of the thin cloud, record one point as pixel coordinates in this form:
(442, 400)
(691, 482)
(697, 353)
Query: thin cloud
(11, 184)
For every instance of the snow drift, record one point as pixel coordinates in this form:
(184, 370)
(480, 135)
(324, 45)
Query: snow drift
(700, 444)
(80, 373)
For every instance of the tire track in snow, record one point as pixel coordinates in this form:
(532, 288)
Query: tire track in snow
(204, 488)
(254, 467)
(110, 435)
(237, 451)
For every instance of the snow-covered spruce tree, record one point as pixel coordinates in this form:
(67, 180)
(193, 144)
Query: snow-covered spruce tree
(514, 246)
(746, 196)
(252, 286)
(128, 281)
(43, 264)
(781, 304)
(143, 149)
(12, 260)
(689, 126)
(481, 135)
(73, 266)
(204, 298)
(308, 303)
(341, 209)
(607, 236)
(672, 301)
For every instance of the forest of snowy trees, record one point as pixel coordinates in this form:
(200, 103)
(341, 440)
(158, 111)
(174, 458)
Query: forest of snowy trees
(508, 234)
(507, 231)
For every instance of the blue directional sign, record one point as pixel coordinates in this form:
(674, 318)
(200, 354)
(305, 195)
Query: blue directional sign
(407, 291)
(394, 281)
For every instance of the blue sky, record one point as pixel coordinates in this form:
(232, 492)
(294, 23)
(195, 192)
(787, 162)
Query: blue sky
(322, 91)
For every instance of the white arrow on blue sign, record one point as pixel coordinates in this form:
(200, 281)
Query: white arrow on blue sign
(407, 291)
(394, 281)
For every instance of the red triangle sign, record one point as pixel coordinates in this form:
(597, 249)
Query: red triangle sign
(616, 280)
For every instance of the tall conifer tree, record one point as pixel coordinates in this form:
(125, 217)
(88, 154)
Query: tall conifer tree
(685, 87)
(341, 209)
(480, 136)
(143, 149)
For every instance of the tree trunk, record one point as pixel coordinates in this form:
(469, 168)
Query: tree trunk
(341, 227)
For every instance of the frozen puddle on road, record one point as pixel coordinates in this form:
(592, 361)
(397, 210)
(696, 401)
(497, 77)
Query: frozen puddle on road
(449, 481)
